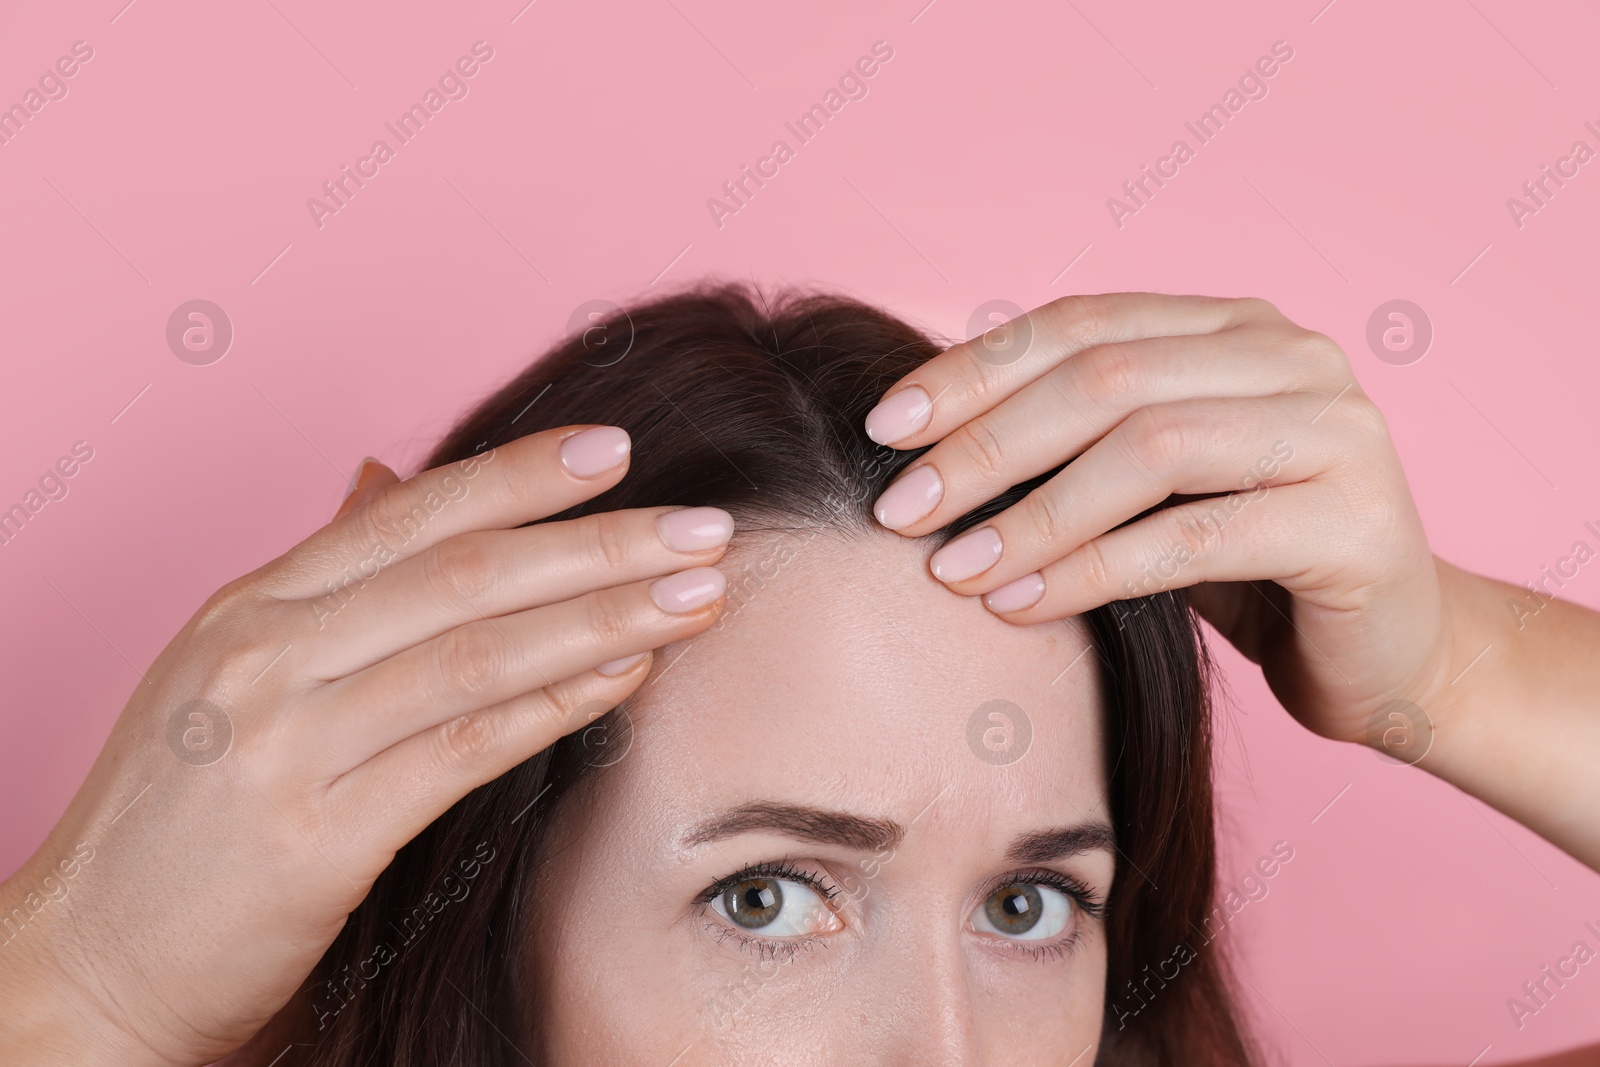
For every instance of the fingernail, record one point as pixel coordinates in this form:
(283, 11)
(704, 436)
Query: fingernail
(900, 415)
(361, 476)
(693, 529)
(687, 590)
(595, 450)
(1022, 593)
(364, 477)
(971, 553)
(910, 498)
(614, 667)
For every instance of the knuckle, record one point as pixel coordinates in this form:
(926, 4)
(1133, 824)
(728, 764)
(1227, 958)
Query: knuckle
(607, 540)
(469, 660)
(1094, 569)
(223, 608)
(1196, 530)
(981, 447)
(237, 667)
(1360, 430)
(1366, 416)
(467, 739)
(1111, 375)
(527, 492)
(240, 640)
(1082, 318)
(379, 512)
(1319, 352)
(227, 677)
(1256, 307)
(460, 569)
(980, 385)
(1047, 514)
(607, 617)
(1157, 438)
(564, 708)
(1319, 344)
(392, 518)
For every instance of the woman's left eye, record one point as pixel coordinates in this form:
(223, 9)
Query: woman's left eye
(775, 907)
(1023, 911)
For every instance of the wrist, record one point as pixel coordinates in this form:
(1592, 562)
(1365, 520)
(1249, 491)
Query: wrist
(49, 1018)
(37, 1026)
(1473, 663)
(1483, 675)
(1513, 717)
(1443, 697)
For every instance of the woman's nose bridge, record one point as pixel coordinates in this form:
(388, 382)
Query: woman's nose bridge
(921, 1000)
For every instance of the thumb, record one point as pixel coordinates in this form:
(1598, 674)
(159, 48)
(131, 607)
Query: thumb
(371, 478)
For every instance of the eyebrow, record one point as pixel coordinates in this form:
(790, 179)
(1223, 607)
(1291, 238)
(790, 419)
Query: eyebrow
(1042, 846)
(799, 821)
(862, 834)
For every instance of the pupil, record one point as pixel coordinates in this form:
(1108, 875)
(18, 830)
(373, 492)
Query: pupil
(1015, 909)
(753, 903)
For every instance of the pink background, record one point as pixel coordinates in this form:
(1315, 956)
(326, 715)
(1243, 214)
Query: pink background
(977, 167)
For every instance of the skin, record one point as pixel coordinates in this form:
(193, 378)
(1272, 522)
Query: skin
(473, 646)
(1320, 572)
(478, 646)
(845, 683)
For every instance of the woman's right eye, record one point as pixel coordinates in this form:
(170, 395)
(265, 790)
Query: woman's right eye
(775, 907)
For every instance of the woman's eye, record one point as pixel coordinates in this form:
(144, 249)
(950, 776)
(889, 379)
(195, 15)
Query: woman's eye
(775, 907)
(1023, 911)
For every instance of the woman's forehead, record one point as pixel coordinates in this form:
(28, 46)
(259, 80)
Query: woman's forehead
(842, 668)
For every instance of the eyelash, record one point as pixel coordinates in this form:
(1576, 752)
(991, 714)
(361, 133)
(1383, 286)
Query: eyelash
(1082, 897)
(770, 948)
(766, 947)
(767, 869)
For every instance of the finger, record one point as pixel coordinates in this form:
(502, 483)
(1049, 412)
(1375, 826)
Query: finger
(1236, 538)
(408, 785)
(370, 477)
(1079, 401)
(529, 478)
(484, 574)
(970, 378)
(1185, 448)
(481, 663)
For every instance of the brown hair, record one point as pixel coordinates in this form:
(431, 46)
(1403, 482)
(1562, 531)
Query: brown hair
(757, 408)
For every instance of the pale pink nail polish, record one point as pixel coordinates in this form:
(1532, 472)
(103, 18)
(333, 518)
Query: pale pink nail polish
(910, 498)
(970, 554)
(595, 450)
(900, 415)
(1025, 592)
(687, 590)
(693, 529)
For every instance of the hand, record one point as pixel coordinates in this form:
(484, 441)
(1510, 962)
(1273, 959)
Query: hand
(1304, 549)
(317, 714)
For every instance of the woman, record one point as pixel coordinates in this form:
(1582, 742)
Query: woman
(841, 815)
